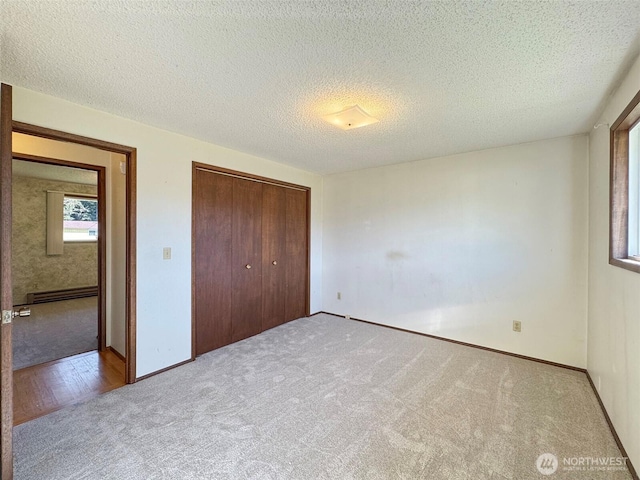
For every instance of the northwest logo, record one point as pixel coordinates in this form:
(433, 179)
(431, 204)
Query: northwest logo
(547, 464)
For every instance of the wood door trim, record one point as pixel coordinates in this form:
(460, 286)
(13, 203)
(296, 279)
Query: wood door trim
(131, 274)
(44, 132)
(131, 168)
(116, 353)
(193, 261)
(6, 350)
(55, 161)
(308, 295)
(246, 176)
(102, 226)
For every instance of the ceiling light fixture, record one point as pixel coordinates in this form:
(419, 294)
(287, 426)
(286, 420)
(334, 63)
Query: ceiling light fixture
(349, 118)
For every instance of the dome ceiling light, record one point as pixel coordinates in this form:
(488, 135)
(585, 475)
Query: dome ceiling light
(350, 118)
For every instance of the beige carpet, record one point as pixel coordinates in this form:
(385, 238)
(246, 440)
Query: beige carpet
(328, 398)
(55, 330)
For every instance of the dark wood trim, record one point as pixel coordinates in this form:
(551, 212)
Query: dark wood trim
(632, 470)
(158, 372)
(626, 263)
(6, 303)
(619, 187)
(130, 154)
(465, 344)
(131, 255)
(116, 353)
(56, 161)
(618, 194)
(629, 109)
(247, 176)
(102, 235)
(44, 132)
(308, 309)
(193, 260)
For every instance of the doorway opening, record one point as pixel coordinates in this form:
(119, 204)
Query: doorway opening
(73, 270)
(57, 258)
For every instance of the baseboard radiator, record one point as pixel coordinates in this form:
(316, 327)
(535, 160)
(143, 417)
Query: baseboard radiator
(57, 295)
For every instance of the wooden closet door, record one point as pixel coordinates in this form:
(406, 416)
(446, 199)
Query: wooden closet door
(296, 252)
(213, 206)
(274, 259)
(246, 259)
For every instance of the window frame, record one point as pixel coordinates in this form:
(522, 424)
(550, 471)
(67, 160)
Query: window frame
(81, 196)
(619, 188)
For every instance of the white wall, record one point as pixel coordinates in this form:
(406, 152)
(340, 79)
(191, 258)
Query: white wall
(462, 246)
(614, 293)
(164, 215)
(117, 254)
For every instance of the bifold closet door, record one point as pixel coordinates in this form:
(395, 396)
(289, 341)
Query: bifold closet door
(274, 259)
(246, 259)
(296, 254)
(213, 207)
(250, 256)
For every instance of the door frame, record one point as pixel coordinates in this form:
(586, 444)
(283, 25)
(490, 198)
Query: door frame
(102, 236)
(6, 350)
(130, 205)
(256, 178)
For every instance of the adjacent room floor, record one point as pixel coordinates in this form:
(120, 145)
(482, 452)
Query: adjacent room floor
(55, 330)
(324, 397)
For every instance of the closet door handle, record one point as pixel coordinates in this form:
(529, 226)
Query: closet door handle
(274, 262)
(247, 266)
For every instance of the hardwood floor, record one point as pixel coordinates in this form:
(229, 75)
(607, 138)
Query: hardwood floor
(45, 388)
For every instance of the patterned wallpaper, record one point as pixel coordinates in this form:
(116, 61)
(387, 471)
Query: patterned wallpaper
(32, 269)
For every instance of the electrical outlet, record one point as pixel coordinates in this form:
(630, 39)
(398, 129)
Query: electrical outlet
(517, 326)
(339, 296)
(166, 253)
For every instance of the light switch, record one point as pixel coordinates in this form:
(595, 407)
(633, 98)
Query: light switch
(166, 253)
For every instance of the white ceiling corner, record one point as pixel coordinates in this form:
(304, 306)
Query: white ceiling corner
(256, 76)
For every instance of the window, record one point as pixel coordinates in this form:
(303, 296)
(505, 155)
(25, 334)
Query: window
(80, 219)
(634, 192)
(624, 226)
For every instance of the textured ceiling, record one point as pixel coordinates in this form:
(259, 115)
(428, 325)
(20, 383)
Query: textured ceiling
(442, 77)
(54, 172)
